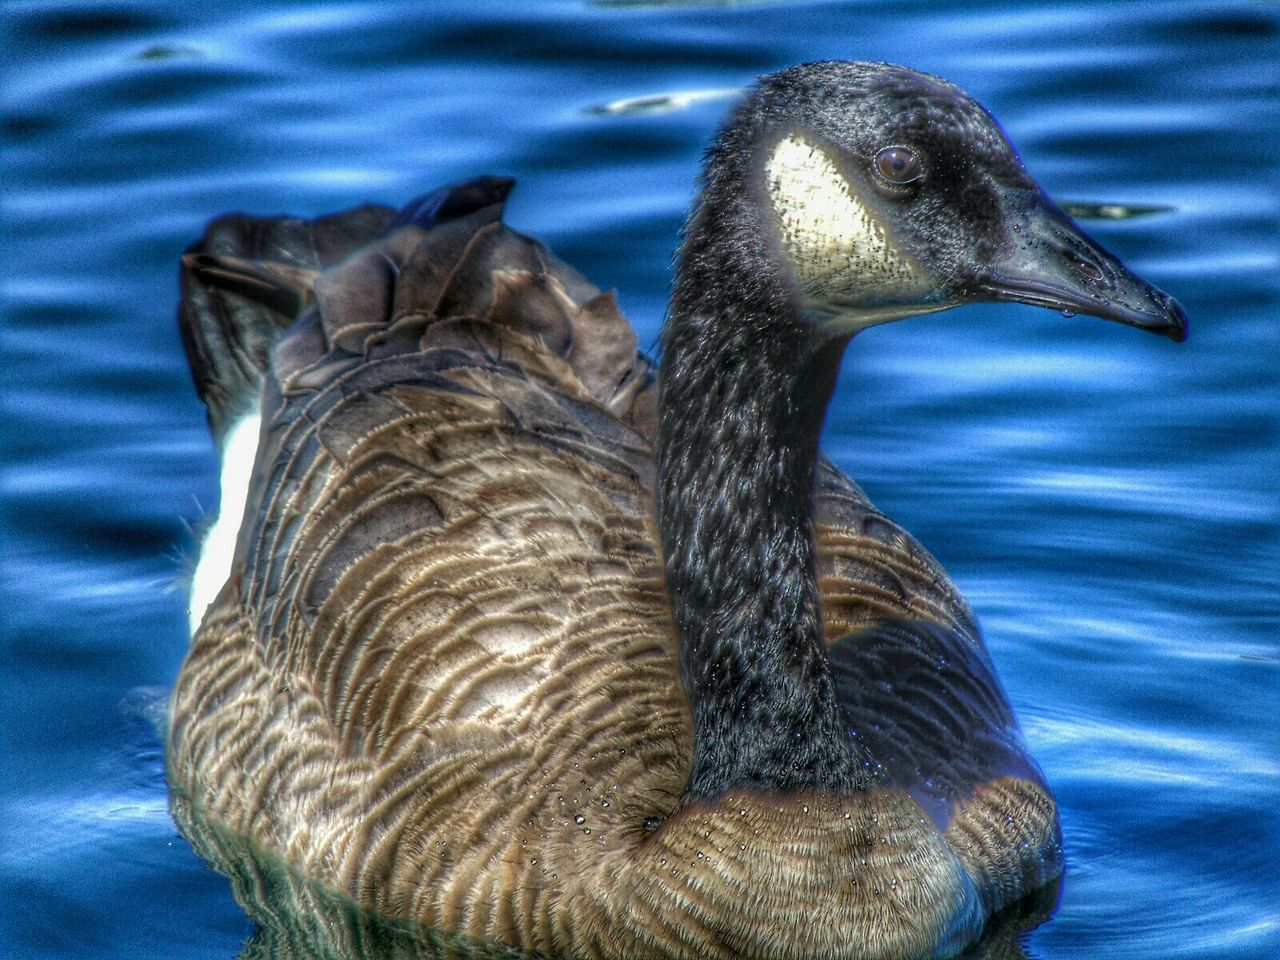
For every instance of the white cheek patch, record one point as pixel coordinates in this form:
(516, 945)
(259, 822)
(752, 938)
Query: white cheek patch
(842, 256)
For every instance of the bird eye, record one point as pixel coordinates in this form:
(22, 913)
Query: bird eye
(898, 165)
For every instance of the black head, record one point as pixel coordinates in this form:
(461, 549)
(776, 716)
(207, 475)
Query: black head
(886, 193)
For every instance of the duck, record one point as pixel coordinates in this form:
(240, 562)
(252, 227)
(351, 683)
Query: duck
(539, 646)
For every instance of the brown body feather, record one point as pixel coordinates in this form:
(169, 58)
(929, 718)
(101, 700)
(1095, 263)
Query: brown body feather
(442, 680)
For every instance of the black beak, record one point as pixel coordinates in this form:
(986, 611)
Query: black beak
(1053, 263)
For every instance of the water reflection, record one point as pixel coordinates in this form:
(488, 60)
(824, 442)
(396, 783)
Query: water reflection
(297, 919)
(656, 103)
(1092, 210)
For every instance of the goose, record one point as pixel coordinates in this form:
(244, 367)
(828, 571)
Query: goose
(535, 645)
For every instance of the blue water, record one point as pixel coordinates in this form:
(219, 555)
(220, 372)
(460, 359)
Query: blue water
(1107, 500)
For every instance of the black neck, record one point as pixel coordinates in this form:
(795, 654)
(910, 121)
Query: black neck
(745, 384)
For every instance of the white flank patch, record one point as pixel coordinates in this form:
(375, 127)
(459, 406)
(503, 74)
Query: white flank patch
(239, 449)
(842, 255)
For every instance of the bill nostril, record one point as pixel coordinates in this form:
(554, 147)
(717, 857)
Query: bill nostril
(1083, 266)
